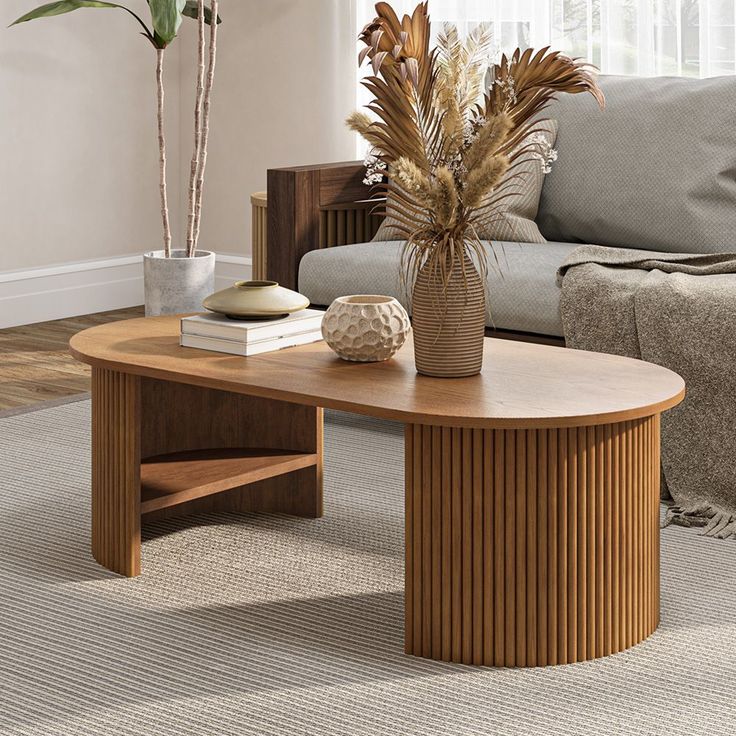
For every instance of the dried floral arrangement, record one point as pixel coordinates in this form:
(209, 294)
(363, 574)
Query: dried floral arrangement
(444, 136)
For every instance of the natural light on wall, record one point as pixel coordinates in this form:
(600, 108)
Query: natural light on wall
(694, 38)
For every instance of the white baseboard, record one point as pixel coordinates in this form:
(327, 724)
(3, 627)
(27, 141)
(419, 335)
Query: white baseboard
(71, 289)
(231, 268)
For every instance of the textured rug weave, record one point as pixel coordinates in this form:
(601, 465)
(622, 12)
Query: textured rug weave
(260, 624)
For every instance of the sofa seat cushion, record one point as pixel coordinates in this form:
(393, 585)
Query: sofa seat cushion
(524, 296)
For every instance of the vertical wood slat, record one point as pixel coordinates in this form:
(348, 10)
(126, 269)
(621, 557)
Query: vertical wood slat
(488, 493)
(446, 485)
(467, 546)
(259, 227)
(542, 494)
(427, 541)
(562, 548)
(531, 547)
(116, 526)
(599, 540)
(456, 524)
(553, 650)
(477, 562)
(520, 534)
(499, 546)
(436, 516)
(510, 550)
(345, 225)
(609, 541)
(629, 528)
(410, 485)
(532, 542)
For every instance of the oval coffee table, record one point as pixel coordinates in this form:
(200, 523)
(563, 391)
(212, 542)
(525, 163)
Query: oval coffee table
(532, 490)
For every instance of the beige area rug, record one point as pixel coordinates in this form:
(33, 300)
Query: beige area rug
(272, 625)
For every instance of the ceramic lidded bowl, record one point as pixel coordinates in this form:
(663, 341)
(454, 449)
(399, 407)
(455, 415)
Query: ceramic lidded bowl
(366, 328)
(255, 300)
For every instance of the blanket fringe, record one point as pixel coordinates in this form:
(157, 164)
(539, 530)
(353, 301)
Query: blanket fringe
(716, 522)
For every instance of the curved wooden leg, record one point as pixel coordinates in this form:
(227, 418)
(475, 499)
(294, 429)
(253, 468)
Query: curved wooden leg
(531, 547)
(135, 418)
(116, 443)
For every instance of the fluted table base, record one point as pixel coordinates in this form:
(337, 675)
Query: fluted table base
(531, 547)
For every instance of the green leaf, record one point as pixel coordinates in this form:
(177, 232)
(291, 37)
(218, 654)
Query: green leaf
(67, 6)
(191, 10)
(166, 19)
(59, 8)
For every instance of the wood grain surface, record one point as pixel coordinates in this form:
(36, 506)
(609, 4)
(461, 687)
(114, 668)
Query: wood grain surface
(35, 365)
(522, 385)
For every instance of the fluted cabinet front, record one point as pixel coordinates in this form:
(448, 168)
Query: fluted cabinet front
(531, 547)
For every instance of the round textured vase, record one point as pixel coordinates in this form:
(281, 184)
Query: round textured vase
(177, 284)
(256, 300)
(449, 322)
(365, 328)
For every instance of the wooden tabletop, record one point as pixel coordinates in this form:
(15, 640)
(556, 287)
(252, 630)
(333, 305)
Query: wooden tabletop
(522, 385)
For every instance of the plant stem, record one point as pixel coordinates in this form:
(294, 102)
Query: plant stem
(194, 170)
(206, 120)
(162, 151)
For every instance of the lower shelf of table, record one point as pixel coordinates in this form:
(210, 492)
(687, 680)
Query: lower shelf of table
(169, 480)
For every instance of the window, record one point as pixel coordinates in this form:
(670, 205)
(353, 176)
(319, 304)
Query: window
(695, 38)
(644, 37)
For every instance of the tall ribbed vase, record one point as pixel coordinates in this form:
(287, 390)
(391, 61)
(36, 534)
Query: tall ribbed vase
(448, 321)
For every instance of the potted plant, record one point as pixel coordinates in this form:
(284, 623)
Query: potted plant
(447, 140)
(175, 280)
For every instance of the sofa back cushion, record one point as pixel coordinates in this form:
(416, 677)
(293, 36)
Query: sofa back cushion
(655, 170)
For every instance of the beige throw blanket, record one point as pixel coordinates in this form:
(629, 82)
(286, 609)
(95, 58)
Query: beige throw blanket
(679, 311)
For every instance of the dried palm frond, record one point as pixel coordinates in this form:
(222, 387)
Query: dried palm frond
(479, 48)
(461, 71)
(403, 81)
(450, 148)
(463, 64)
(524, 84)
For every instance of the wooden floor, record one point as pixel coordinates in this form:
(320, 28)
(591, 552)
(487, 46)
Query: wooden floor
(35, 364)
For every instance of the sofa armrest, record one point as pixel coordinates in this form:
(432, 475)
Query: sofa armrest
(311, 207)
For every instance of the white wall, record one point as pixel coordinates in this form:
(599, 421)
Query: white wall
(284, 86)
(78, 146)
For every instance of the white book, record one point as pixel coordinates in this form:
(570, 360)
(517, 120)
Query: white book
(235, 347)
(247, 331)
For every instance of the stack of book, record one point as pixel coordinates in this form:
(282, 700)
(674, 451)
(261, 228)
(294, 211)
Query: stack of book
(217, 332)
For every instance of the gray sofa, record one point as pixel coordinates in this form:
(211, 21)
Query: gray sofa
(655, 170)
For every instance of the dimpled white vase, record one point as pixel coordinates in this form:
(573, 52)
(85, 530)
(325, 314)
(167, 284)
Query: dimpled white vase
(365, 328)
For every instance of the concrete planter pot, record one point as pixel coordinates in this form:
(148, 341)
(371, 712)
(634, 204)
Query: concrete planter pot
(179, 283)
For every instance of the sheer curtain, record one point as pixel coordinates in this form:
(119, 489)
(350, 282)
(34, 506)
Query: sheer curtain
(643, 37)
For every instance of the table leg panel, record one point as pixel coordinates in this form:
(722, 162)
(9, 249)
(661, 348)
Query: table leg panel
(549, 539)
(116, 529)
(135, 418)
